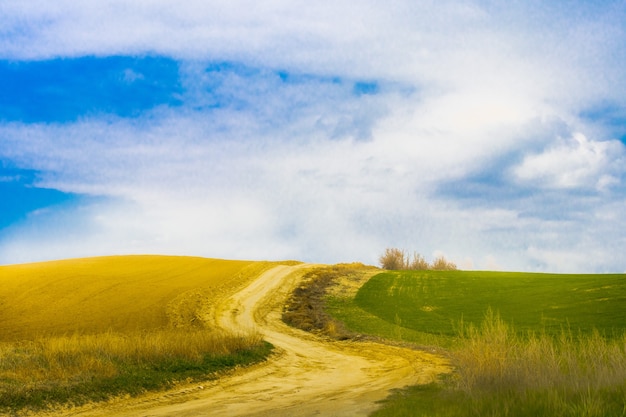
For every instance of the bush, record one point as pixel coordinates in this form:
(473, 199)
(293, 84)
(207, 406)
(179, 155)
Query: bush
(395, 259)
(442, 264)
(418, 263)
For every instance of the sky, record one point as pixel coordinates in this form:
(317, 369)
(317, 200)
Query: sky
(490, 132)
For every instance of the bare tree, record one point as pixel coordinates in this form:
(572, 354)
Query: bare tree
(442, 264)
(418, 262)
(393, 259)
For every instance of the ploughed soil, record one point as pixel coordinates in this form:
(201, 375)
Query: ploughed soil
(307, 375)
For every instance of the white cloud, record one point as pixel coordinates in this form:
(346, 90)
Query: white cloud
(308, 199)
(228, 185)
(309, 171)
(575, 163)
(457, 43)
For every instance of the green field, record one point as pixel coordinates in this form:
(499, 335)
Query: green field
(437, 301)
(523, 344)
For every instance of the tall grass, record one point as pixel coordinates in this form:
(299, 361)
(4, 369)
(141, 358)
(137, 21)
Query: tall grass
(564, 375)
(81, 368)
(501, 372)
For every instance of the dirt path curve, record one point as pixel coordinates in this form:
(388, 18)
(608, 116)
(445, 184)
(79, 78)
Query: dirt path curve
(307, 376)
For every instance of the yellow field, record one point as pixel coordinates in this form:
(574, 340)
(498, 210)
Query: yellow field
(120, 294)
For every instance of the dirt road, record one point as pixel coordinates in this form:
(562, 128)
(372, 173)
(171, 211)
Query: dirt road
(306, 376)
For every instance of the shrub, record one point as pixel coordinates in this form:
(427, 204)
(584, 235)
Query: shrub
(442, 264)
(418, 263)
(395, 259)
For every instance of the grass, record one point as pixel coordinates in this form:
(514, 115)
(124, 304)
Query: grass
(549, 345)
(120, 293)
(434, 302)
(88, 329)
(357, 321)
(77, 369)
(501, 372)
(496, 358)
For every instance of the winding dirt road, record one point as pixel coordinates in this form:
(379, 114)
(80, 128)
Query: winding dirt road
(306, 376)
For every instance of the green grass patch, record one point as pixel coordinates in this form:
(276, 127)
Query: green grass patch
(361, 322)
(435, 400)
(436, 302)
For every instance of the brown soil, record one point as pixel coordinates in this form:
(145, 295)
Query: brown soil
(306, 376)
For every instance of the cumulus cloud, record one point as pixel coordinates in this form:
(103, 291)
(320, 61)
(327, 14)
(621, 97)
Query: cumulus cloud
(327, 131)
(575, 163)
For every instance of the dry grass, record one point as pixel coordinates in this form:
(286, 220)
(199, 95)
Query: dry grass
(71, 359)
(305, 309)
(493, 357)
(569, 374)
(77, 369)
(502, 373)
(137, 323)
(123, 294)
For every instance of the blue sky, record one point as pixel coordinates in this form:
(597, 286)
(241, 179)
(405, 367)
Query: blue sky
(66, 89)
(494, 134)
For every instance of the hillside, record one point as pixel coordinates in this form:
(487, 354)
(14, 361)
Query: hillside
(437, 301)
(120, 293)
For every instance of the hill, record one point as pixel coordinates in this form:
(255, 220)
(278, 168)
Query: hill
(437, 301)
(119, 293)
(523, 344)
